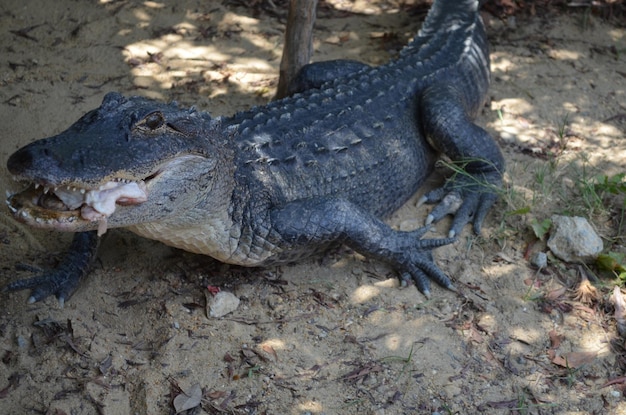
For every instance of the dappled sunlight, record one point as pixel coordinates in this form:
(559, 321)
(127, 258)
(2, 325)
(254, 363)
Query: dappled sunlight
(367, 7)
(153, 4)
(501, 270)
(269, 44)
(524, 110)
(310, 406)
(214, 53)
(529, 335)
(599, 345)
(142, 16)
(564, 54)
(393, 342)
(276, 344)
(513, 127)
(617, 35)
(520, 104)
(365, 293)
(604, 135)
(173, 47)
(501, 64)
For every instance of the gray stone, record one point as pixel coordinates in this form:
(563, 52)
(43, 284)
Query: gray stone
(539, 259)
(222, 303)
(572, 239)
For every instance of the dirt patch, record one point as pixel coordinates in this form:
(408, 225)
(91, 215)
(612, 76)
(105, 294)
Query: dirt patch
(332, 334)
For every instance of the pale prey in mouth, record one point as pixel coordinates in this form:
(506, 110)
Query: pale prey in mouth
(65, 204)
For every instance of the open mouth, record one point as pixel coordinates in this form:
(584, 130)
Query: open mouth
(74, 207)
(83, 207)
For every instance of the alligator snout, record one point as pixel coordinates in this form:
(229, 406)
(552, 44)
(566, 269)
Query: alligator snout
(19, 161)
(32, 160)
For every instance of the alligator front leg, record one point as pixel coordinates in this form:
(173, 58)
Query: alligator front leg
(449, 128)
(63, 280)
(307, 224)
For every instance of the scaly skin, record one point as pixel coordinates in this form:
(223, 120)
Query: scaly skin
(280, 182)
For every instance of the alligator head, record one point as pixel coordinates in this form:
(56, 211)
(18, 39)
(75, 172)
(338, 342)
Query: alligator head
(124, 163)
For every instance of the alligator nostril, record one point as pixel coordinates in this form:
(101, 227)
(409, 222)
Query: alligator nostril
(33, 157)
(20, 161)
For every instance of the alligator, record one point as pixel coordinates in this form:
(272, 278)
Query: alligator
(273, 184)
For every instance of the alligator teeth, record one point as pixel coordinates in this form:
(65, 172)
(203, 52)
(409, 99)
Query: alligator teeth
(37, 186)
(82, 191)
(45, 190)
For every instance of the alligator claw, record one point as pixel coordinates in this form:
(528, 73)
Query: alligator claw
(468, 198)
(63, 280)
(59, 282)
(415, 261)
(420, 280)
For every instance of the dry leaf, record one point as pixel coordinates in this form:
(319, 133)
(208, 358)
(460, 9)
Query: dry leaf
(574, 360)
(191, 399)
(553, 295)
(270, 351)
(586, 293)
(555, 339)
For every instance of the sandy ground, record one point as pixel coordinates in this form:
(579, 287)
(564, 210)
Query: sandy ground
(332, 335)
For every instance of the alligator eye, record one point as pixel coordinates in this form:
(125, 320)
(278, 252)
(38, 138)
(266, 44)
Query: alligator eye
(153, 121)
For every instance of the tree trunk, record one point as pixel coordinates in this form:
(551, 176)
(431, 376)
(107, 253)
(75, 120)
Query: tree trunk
(298, 42)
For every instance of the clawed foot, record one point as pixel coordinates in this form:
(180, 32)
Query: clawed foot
(465, 196)
(63, 280)
(55, 282)
(413, 259)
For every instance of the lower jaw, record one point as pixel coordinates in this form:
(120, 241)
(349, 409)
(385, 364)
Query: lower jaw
(26, 211)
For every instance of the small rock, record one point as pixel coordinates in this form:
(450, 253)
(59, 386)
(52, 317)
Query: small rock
(488, 323)
(539, 260)
(572, 239)
(21, 342)
(222, 303)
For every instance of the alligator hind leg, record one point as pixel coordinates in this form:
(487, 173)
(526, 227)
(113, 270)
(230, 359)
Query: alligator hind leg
(316, 74)
(316, 223)
(63, 280)
(470, 193)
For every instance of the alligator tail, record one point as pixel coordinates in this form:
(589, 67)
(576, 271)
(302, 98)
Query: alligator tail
(449, 14)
